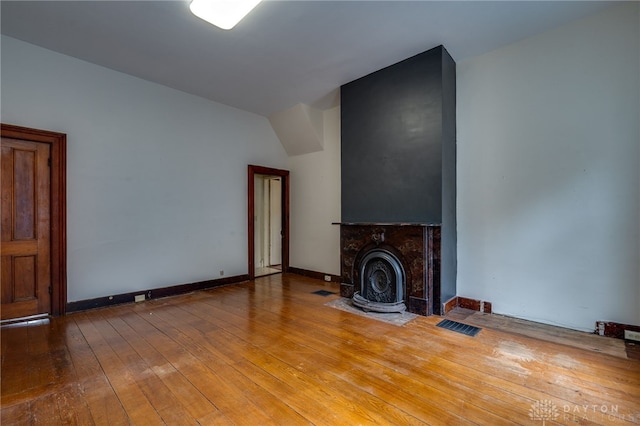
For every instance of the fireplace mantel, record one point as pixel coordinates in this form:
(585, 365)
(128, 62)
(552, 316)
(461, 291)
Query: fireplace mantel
(385, 224)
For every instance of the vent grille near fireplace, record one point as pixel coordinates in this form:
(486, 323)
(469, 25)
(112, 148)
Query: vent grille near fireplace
(459, 327)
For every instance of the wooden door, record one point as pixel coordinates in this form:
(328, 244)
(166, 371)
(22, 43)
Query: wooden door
(26, 228)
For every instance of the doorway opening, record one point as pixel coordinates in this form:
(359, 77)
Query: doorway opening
(268, 221)
(268, 224)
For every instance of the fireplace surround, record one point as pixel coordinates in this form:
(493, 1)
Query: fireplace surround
(368, 253)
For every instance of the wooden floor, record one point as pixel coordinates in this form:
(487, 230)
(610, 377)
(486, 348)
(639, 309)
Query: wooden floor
(270, 353)
(266, 270)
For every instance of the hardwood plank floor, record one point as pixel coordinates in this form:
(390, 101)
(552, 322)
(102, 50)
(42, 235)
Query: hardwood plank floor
(270, 352)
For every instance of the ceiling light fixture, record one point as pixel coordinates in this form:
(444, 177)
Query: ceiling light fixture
(221, 13)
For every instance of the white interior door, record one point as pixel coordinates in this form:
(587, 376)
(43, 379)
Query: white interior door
(275, 221)
(258, 218)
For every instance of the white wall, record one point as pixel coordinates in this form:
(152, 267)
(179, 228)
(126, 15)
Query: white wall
(315, 203)
(156, 178)
(548, 174)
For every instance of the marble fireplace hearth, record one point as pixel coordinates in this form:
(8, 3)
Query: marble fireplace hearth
(415, 246)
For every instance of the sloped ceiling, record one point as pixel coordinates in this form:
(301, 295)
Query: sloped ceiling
(300, 129)
(285, 52)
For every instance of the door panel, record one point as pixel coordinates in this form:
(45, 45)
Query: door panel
(25, 228)
(25, 173)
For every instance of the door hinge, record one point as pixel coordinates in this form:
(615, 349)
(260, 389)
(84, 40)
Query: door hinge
(49, 162)
(50, 290)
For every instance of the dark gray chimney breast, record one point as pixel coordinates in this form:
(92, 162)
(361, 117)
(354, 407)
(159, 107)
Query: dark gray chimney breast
(398, 136)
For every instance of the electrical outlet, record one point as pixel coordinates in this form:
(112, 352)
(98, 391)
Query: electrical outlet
(632, 335)
(327, 277)
(221, 272)
(139, 298)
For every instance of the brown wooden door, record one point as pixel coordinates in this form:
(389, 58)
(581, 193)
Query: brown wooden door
(26, 234)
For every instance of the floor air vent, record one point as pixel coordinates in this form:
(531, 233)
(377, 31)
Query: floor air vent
(323, 292)
(458, 327)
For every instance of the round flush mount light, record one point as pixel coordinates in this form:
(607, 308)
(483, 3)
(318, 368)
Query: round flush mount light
(221, 13)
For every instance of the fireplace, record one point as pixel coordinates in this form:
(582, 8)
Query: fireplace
(382, 282)
(391, 267)
(398, 185)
